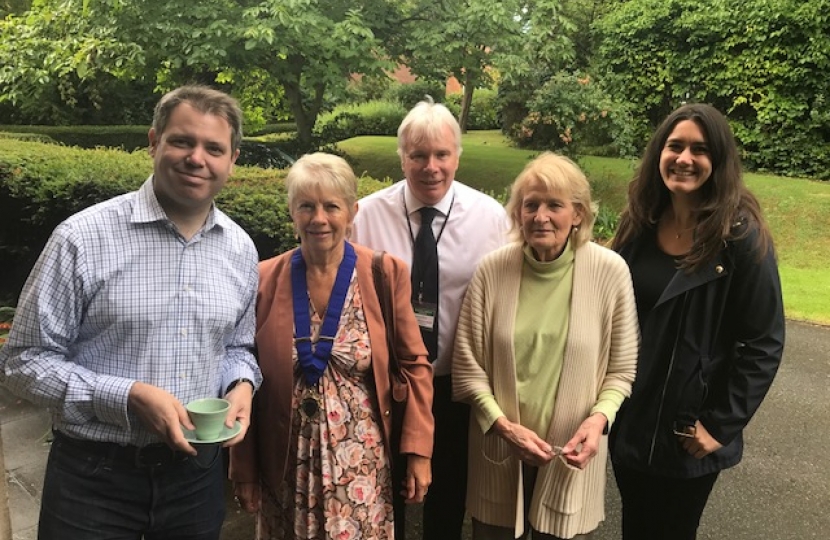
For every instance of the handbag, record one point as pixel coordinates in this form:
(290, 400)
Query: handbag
(397, 381)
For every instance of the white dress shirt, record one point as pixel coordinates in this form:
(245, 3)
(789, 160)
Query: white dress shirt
(470, 224)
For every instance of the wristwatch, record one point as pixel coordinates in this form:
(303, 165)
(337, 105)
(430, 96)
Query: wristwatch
(237, 381)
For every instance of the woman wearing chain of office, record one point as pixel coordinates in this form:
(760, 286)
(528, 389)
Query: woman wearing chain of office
(316, 462)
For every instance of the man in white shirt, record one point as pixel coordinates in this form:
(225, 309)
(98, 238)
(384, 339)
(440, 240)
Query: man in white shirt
(468, 225)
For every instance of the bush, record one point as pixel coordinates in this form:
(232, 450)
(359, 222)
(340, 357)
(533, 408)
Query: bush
(408, 95)
(31, 137)
(271, 129)
(127, 138)
(570, 113)
(42, 184)
(380, 117)
(368, 88)
(484, 112)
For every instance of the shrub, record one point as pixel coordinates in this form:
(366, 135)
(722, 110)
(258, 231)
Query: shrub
(484, 112)
(31, 137)
(368, 88)
(571, 112)
(42, 184)
(606, 223)
(125, 137)
(272, 129)
(380, 117)
(408, 95)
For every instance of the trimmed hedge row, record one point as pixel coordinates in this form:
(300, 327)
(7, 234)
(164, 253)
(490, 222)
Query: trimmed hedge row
(43, 184)
(128, 137)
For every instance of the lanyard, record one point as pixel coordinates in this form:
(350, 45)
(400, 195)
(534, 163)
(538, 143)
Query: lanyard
(313, 360)
(409, 222)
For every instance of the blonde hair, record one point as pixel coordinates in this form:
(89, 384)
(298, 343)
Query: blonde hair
(556, 174)
(327, 172)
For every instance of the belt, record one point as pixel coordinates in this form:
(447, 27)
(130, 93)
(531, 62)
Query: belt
(139, 457)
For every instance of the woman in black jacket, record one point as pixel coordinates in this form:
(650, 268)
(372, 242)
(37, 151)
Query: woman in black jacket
(712, 322)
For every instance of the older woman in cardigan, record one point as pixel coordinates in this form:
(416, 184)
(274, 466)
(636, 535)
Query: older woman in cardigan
(545, 353)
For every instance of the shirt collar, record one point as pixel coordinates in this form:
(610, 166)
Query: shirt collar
(413, 204)
(147, 209)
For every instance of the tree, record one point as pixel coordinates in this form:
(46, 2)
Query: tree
(300, 46)
(308, 45)
(545, 49)
(765, 65)
(461, 38)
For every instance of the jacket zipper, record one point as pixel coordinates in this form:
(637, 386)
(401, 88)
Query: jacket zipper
(666, 382)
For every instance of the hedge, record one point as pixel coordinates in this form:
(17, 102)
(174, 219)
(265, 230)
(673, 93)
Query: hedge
(43, 184)
(128, 137)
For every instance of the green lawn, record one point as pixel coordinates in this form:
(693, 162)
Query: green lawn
(798, 210)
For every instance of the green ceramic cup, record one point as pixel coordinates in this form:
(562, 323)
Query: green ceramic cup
(208, 415)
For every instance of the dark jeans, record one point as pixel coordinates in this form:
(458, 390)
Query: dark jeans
(94, 493)
(444, 506)
(661, 508)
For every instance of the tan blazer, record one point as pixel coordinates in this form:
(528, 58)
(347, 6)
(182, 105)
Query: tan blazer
(263, 454)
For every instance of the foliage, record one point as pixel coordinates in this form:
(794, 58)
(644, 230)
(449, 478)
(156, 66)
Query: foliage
(581, 16)
(409, 95)
(31, 137)
(6, 316)
(765, 67)
(275, 56)
(606, 223)
(271, 129)
(363, 88)
(310, 45)
(571, 112)
(547, 48)
(43, 184)
(377, 117)
(484, 113)
(124, 137)
(462, 38)
(59, 63)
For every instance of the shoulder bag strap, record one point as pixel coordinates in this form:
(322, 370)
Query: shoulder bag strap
(385, 298)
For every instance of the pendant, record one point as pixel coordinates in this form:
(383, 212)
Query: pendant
(310, 404)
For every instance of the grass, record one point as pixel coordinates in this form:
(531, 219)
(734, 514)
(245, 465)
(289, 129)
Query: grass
(798, 210)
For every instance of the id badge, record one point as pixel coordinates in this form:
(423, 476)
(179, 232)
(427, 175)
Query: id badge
(425, 314)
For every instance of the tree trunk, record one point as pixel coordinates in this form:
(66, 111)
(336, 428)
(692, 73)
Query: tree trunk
(304, 108)
(466, 103)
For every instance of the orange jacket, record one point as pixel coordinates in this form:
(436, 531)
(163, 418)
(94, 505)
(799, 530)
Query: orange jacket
(263, 454)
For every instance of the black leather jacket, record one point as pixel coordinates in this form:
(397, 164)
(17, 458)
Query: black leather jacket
(710, 349)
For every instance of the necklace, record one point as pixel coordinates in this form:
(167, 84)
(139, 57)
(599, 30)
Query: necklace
(679, 232)
(674, 230)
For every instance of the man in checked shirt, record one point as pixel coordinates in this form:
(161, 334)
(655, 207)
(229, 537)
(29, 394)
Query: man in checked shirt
(137, 306)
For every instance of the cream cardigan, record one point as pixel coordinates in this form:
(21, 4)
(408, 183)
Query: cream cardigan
(601, 352)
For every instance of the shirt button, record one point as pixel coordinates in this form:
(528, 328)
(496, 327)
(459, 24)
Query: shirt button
(719, 269)
(183, 332)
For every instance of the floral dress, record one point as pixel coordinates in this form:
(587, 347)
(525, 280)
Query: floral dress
(340, 486)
